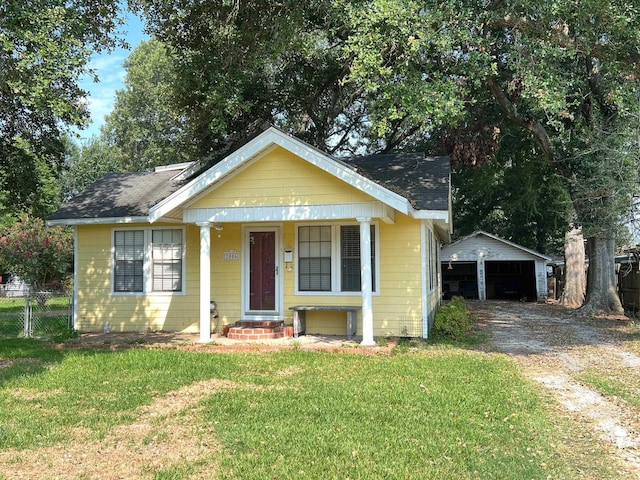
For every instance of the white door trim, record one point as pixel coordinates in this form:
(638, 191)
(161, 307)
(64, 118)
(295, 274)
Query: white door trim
(278, 313)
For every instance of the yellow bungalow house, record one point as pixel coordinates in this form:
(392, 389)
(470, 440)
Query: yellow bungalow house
(276, 231)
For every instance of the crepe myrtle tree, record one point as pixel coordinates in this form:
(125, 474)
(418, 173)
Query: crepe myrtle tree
(39, 255)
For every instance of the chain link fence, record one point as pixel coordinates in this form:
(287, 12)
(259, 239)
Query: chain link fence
(35, 314)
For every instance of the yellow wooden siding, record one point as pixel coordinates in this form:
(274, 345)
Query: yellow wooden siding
(97, 305)
(397, 305)
(226, 275)
(281, 178)
(398, 309)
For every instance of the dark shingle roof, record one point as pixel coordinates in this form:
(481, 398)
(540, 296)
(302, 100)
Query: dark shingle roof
(120, 195)
(424, 181)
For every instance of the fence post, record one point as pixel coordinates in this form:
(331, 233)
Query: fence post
(27, 314)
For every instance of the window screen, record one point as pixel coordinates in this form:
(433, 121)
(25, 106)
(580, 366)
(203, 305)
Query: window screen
(350, 258)
(314, 269)
(166, 254)
(129, 259)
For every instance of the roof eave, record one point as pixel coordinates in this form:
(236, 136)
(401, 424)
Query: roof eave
(97, 221)
(441, 220)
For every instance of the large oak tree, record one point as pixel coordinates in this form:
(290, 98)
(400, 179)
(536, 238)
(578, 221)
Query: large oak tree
(564, 72)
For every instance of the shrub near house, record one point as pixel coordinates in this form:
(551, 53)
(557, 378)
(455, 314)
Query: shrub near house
(37, 254)
(453, 319)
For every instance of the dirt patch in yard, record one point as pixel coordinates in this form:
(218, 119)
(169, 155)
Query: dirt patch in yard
(554, 347)
(131, 451)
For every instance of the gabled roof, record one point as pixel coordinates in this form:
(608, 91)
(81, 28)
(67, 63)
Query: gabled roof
(479, 233)
(409, 183)
(267, 140)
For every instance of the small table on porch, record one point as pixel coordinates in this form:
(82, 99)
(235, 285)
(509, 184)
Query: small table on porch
(299, 316)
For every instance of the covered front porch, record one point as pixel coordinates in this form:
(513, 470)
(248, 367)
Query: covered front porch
(266, 261)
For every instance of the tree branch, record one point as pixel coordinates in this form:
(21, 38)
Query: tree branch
(595, 85)
(558, 35)
(532, 126)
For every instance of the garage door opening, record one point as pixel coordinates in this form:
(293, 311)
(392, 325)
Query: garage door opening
(511, 280)
(460, 279)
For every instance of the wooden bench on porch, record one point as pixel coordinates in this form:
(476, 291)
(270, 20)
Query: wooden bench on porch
(299, 316)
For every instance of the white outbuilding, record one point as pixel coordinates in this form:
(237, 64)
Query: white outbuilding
(485, 267)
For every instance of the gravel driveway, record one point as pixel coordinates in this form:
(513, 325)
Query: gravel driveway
(554, 347)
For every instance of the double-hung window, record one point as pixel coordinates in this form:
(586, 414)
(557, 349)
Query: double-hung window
(329, 258)
(166, 256)
(128, 259)
(148, 260)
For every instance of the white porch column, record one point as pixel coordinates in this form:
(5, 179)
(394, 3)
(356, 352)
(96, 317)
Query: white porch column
(205, 282)
(365, 278)
(482, 286)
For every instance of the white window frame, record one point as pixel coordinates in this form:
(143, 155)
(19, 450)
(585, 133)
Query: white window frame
(147, 264)
(335, 260)
(431, 260)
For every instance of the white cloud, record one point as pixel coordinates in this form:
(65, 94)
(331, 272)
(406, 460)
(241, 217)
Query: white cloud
(111, 75)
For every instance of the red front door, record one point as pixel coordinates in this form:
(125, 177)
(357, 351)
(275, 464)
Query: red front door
(262, 271)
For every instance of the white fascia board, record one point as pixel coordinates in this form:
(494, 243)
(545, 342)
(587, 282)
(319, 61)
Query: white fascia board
(281, 213)
(431, 215)
(173, 166)
(271, 137)
(96, 221)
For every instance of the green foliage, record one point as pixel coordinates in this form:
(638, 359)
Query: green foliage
(516, 195)
(39, 255)
(145, 128)
(240, 65)
(85, 164)
(565, 77)
(45, 46)
(29, 177)
(453, 319)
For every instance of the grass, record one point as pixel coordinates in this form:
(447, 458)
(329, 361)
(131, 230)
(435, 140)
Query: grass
(424, 412)
(614, 377)
(611, 384)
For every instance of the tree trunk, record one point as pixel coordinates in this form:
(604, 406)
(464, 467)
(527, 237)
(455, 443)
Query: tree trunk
(575, 281)
(602, 296)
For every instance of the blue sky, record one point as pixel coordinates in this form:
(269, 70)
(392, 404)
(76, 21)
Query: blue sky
(111, 74)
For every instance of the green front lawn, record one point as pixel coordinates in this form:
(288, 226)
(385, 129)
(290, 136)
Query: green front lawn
(428, 413)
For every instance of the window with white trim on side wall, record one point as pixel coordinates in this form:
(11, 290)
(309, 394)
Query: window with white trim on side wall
(431, 259)
(147, 260)
(329, 258)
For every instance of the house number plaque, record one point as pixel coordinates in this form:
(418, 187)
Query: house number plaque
(230, 255)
